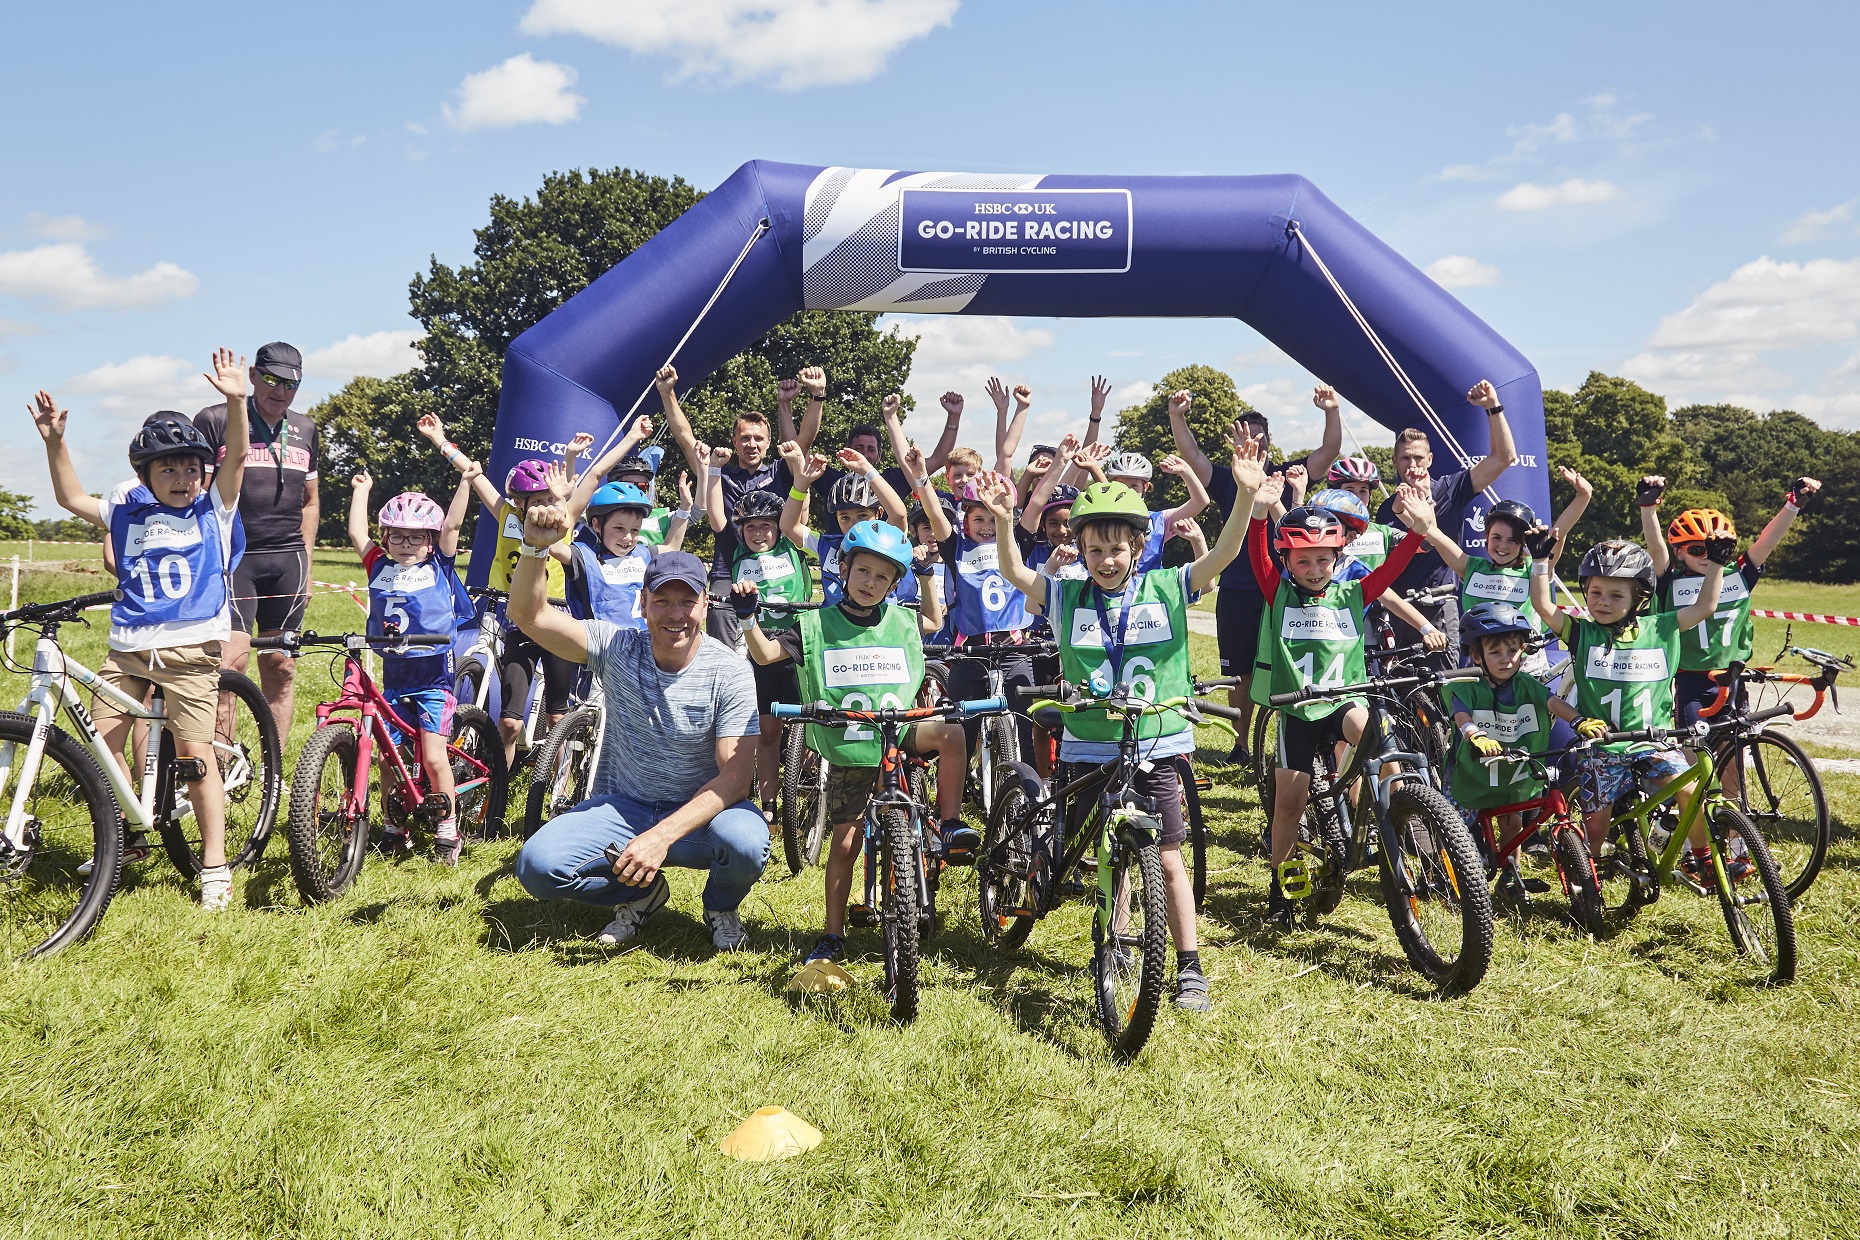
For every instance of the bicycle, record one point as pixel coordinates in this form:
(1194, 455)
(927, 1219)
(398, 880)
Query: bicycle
(1030, 852)
(327, 828)
(1761, 923)
(477, 681)
(1779, 788)
(58, 824)
(997, 744)
(1550, 814)
(901, 861)
(563, 768)
(1423, 850)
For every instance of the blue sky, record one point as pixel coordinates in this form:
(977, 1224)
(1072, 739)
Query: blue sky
(1652, 189)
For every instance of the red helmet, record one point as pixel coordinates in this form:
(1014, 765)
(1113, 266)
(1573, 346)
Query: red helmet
(1310, 527)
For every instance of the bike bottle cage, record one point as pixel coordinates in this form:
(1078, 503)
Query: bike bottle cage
(190, 770)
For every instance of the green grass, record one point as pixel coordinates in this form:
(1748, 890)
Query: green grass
(438, 1054)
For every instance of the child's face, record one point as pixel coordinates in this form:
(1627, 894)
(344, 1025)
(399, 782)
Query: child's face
(1140, 485)
(1502, 656)
(1311, 567)
(868, 578)
(1501, 542)
(760, 534)
(957, 472)
(1610, 598)
(1358, 489)
(978, 523)
(176, 480)
(1692, 555)
(1107, 556)
(620, 530)
(1056, 524)
(407, 546)
(849, 517)
(642, 481)
(921, 535)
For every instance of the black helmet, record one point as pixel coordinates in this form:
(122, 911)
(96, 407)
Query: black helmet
(1511, 510)
(162, 436)
(1617, 557)
(1492, 620)
(762, 505)
(631, 465)
(1063, 495)
(852, 491)
(920, 517)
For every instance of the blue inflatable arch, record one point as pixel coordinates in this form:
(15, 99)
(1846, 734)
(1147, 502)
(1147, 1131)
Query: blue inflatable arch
(776, 238)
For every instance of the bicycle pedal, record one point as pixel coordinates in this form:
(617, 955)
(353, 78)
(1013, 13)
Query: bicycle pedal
(1296, 881)
(862, 915)
(1203, 784)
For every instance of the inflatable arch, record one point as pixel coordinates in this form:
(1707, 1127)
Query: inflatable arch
(776, 238)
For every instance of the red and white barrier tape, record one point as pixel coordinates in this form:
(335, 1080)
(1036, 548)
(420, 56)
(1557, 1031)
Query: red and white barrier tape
(1807, 617)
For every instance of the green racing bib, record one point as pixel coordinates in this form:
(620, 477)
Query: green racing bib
(1155, 655)
(1525, 724)
(851, 666)
(1310, 640)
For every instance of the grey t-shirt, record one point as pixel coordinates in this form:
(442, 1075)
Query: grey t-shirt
(662, 727)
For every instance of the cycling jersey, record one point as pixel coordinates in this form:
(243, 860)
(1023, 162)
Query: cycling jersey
(416, 600)
(607, 586)
(1139, 636)
(1626, 678)
(171, 570)
(851, 666)
(1515, 714)
(780, 575)
(1728, 635)
(1486, 582)
(985, 601)
(504, 563)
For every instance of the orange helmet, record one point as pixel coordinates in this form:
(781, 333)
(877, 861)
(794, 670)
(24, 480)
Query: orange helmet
(1700, 525)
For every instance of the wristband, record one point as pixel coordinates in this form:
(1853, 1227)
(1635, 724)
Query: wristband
(873, 476)
(682, 514)
(796, 493)
(1096, 417)
(1469, 729)
(1540, 568)
(533, 553)
(1789, 506)
(922, 482)
(716, 471)
(1428, 628)
(1495, 409)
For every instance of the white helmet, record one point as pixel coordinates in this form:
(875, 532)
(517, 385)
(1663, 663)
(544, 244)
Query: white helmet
(1129, 465)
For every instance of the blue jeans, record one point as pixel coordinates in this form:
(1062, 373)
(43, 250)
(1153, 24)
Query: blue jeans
(565, 859)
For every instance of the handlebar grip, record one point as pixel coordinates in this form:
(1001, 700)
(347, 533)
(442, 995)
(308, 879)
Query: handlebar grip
(1219, 711)
(417, 639)
(96, 600)
(786, 710)
(1774, 712)
(1027, 693)
(982, 706)
(283, 640)
(1290, 699)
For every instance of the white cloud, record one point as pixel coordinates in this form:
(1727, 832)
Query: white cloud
(1770, 305)
(1688, 372)
(1530, 196)
(144, 384)
(1810, 225)
(63, 227)
(961, 351)
(378, 354)
(520, 91)
(792, 44)
(1462, 271)
(65, 275)
(1130, 394)
(1599, 123)
(19, 327)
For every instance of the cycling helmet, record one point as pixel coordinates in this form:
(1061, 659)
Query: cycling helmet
(852, 491)
(1353, 469)
(637, 466)
(1700, 525)
(1111, 501)
(1511, 510)
(160, 437)
(1062, 495)
(526, 478)
(759, 506)
(920, 517)
(411, 510)
(1617, 557)
(1309, 526)
(880, 539)
(1129, 465)
(1492, 620)
(613, 496)
(1353, 512)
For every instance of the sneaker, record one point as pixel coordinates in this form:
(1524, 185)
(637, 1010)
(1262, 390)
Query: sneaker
(960, 842)
(628, 918)
(215, 888)
(1240, 755)
(726, 930)
(1538, 853)
(1697, 867)
(1191, 992)
(396, 843)
(1280, 914)
(135, 850)
(446, 849)
(830, 949)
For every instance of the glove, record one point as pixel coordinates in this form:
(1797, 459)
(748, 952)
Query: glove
(1721, 550)
(1487, 746)
(1648, 493)
(1591, 729)
(1540, 541)
(1801, 496)
(746, 604)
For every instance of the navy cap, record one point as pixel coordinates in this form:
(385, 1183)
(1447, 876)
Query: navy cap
(670, 566)
(282, 360)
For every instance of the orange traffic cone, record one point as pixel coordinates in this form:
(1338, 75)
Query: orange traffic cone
(771, 1133)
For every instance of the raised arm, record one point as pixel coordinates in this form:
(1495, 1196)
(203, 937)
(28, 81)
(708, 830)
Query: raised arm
(554, 629)
(1090, 460)
(854, 462)
(1249, 477)
(1647, 495)
(915, 465)
(814, 379)
(455, 511)
(785, 392)
(713, 461)
(1501, 449)
(362, 486)
(1008, 432)
(1719, 551)
(1100, 390)
(806, 471)
(1043, 489)
(228, 379)
(66, 489)
(1578, 503)
(1450, 551)
(434, 430)
(1324, 396)
(1543, 567)
(1800, 498)
(1185, 445)
(998, 493)
(1197, 492)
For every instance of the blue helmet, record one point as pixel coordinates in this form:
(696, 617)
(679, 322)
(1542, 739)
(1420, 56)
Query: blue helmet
(612, 496)
(1353, 512)
(880, 539)
(1492, 620)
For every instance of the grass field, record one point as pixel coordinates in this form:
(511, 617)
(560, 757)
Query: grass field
(438, 1054)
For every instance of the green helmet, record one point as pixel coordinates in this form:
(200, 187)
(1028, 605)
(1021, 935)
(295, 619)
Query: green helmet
(1111, 501)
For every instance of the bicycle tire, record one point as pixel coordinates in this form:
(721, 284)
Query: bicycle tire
(1789, 808)
(1576, 869)
(1627, 879)
(480, 810)
(252, 734)
(1137, 884)
(1322, 830)
(1004, 872)
(920, 783)
(564, 768)
(49, 906)
(803, 800)
(1440, 900)
(898, 893)
(1265, 742)
(1196, 843)
(1744, 917)
(327, 846)
(465, 684)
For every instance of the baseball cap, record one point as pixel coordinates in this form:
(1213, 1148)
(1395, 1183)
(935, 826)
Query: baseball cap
(681, 566)
(1043, 449)
(282, 360)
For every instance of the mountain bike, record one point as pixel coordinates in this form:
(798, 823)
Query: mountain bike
(61, 852)
(901, 861)
(1405, 824)
(327, 828)
(997, 744)
(563, 768)
(477, 683)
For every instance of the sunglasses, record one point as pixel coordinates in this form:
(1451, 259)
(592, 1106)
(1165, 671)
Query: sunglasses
(271, 380)
(1689, 548)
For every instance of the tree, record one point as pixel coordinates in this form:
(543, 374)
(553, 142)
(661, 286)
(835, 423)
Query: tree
(1613, 431)
(1144, 428)
(15, 519)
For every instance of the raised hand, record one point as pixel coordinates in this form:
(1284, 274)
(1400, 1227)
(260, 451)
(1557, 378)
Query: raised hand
(811, 471)
(952, 404)
(228, 377)
(667, 378)
(997, 392)
(1189, 530)
(1062, 556)
(997, 493)
(915, 466)
(544, 525)
(720, 456)
(1248, 469)
(48, 417)
(853, 460)
(684, 491)
(786, 391)
(1068, 447)
(556, 478)
(1415, 508)
(814, 379)
(1181, 402)
(1648, 490)
(1172, 464)
(1038, 467)
(1100, 392)
(1540, 541)
(1483, 394)
(1324, 396)
(1023, 396)
(1582, 485)
(430, 426)
(362, 481)
(1804, 494)
(1098, 453)
(1271, 490)
(792, 457)
(645, 429)
(470, 470)
(579, 445)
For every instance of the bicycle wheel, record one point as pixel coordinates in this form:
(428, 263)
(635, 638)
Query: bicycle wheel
(1196, 845)
(1756, 909)
(564, 768)
(1130, 946)
(1625, 872)
(1782, 796)
(897, 884)
(328, 843)
(71, 816)
(465, 685)
(1004, 873)
(245, 745)
(1577, 871)
(479, 779)
(803, 800)
(920, 782)
(1265, 766)
(1434, 886)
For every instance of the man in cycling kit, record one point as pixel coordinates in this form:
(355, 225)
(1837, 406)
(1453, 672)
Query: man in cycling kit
(279, 509)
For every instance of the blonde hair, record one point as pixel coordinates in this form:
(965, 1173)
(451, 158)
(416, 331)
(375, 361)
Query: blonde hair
(965, 456)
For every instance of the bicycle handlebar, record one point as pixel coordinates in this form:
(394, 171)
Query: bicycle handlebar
(292, 642)
(63, 609)
(1378, 684)
(1739, 673)
(783, 609)
(831, 718)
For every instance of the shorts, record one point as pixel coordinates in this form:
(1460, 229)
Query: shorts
(1238, 613)
(189, 677)
(429, 710)
(1160, 781)
(521, 654)
(1603, 778)
(1695, 691)
(1301, 740)
(777, 682)
(850, 788)
(271, 589)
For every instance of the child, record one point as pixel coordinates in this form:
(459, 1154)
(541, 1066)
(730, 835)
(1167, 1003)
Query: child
(1090, 620)
(1133, 470)
(607, 560)
(860, 495)
(861, 627)
(1624, 657)
(1358, 476)
(931, 572)
(172, 538)
(990, 610)
(765, 560)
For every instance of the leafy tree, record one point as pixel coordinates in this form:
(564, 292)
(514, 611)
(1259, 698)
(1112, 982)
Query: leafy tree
(15, 518)
(1613, 431)
(66, 529)
(1144, 428)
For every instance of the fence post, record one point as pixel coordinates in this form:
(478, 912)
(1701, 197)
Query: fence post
(11, 605)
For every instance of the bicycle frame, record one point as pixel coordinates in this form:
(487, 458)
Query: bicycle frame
(1698, 776)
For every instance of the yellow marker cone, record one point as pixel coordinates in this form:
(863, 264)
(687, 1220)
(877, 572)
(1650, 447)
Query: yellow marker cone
(823, 977)
(771, 1133)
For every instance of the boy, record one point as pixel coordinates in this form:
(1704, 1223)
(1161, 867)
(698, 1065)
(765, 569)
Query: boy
(862, 627)
(412, 591)
(931, 572)
(860, 495)
(1133, 470)
(767, 562)
(172, 537)
(990, 610)
(1112, 525)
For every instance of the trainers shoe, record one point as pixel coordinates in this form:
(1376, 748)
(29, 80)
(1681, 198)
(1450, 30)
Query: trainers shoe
(1191, 992)
(446, 849)
(1240, 755)
(135, 850)
(215, 888)
(1697, 867)
(628, 918)
(960, 840)
(1280, 914)
(396, 843)
(726, 930)
(830, 949)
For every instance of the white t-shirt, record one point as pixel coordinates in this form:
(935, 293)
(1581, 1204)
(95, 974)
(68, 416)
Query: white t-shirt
(178, 632)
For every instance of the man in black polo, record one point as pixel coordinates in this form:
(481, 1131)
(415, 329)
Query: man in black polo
(278, 506)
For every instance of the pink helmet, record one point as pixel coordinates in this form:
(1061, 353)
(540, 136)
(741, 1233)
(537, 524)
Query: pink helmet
(526, 478)
(411, 510)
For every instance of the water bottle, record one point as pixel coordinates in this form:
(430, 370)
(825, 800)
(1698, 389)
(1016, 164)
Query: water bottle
(1659, 830)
